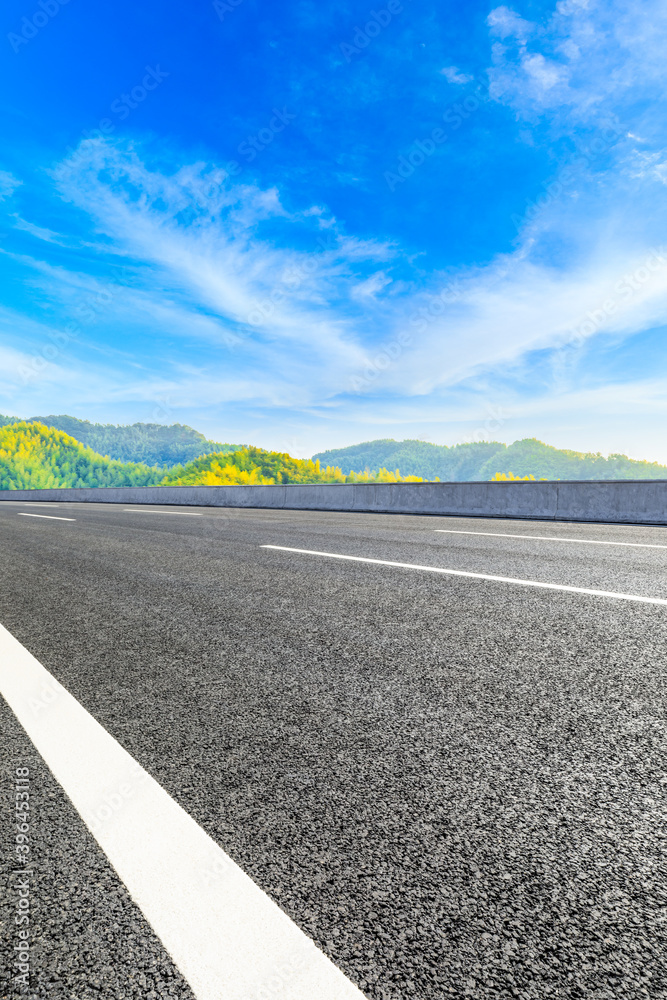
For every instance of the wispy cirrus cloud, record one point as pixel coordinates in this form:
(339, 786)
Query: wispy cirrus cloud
(588, 56)
(278, 305)
(8, 184)
(453, 74)
(283, 309)
(222, 246)
(40, 232)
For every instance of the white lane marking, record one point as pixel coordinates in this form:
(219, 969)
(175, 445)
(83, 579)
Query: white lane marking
(49, 517)
(477, 576)
(550, 538)
(183, 513)
(224, 934)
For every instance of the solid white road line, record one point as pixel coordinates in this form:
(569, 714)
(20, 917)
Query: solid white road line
(477, 576)
(183, 513)
(551, 538)
(49, 517)
(224, 934)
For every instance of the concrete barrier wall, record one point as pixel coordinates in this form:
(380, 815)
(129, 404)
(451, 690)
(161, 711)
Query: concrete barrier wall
(623, 501)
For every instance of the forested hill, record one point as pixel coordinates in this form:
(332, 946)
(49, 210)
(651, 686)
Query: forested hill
(147, 444)
(533, 457)
(255, 466)
(460, 463)
(34, 456)
(480, 461)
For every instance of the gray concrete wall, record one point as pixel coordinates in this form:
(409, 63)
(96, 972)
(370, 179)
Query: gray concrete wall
(623, 501)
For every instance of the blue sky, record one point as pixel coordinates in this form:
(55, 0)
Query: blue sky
(305, 225)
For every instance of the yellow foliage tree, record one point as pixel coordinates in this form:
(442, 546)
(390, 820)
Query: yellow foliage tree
(504, 477)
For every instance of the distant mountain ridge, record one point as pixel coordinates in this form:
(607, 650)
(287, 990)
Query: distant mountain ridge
(183, 453)
(480, 461)
(34, 456)
(147, 444)
(460, 463)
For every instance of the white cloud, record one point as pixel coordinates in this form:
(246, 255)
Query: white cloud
(649, 165)
(583, 58)
(504, 312)
(40, 233)
(453, 75)
(273, 324)
(544, 73)
(369, 288)
(206, 239)
(506, 23)
(8, 184)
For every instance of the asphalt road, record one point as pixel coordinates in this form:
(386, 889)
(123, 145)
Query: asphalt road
(454, 786)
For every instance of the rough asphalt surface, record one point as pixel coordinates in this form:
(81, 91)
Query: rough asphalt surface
(455, 787)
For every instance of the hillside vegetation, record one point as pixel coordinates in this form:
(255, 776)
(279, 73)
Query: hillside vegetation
(34, 456)
(533, 457)
(147, 444)
(250, 466)
(460, 463)
(482, 461)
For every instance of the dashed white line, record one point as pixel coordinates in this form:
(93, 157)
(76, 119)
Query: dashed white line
(183, 513)
(476, 576)
(33, 503)
(48, 517)
(222, 931)
(551, 538)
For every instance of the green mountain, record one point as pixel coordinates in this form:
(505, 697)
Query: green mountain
(257, 466)
(148, 454)
(533, 457)
(147, 444)
(33, 456)
(460, 463)
(478, 462)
